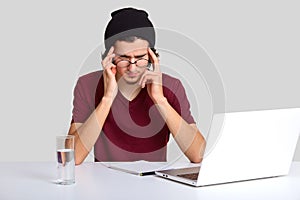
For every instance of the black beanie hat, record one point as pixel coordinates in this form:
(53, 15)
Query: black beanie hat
(129, 22)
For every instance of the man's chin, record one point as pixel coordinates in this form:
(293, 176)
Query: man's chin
(132, 80)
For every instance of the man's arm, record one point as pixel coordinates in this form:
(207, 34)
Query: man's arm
(87, 133)
(187, 136)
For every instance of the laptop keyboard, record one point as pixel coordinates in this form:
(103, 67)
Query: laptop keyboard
(192, 176)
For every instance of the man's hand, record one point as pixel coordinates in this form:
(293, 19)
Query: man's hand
(153, 79)
(109, 72)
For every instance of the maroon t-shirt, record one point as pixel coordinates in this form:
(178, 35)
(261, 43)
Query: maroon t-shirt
(133, 130)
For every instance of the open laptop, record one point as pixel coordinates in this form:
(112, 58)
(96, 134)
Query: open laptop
(250, 145)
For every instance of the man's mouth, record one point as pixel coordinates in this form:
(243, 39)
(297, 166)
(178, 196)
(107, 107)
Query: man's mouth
(132, 74)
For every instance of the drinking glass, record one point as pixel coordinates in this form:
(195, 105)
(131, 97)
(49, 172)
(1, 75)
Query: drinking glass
(65, 160)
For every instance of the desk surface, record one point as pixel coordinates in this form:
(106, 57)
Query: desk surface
(95, 181)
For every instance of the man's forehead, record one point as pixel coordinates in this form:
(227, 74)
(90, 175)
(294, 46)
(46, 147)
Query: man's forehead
(131, 48)
(132, 54)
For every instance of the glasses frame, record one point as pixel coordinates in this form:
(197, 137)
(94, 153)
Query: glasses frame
(135, 62)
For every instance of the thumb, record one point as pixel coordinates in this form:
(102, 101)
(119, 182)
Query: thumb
(114, 70)
(148, 88)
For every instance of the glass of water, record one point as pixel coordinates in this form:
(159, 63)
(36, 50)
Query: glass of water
(65, 160)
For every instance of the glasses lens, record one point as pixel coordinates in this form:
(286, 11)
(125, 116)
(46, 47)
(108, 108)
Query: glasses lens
(142, 63)
(123, 63)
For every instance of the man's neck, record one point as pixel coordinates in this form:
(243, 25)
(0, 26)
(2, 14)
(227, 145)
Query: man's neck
(129, 91)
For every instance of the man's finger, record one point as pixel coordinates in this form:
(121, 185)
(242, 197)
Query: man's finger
(114, 69)
(154, 59)
(111, 50)
(108, 58)
(142, 80)
(107, 62)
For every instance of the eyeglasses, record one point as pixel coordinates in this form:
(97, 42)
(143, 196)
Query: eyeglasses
(142, 62)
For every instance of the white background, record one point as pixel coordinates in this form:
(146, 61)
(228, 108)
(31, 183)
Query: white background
(254, 44)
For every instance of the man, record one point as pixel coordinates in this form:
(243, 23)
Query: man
(128, 110)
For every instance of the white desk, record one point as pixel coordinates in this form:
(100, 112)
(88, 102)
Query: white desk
(95, 181)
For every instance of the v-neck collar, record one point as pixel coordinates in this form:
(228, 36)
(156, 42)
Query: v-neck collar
(139, 96)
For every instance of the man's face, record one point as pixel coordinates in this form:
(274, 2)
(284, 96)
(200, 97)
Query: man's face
(130, 51)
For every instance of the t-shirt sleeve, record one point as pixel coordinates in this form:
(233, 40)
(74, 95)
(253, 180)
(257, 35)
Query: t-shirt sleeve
(180, 102)
(81, 108)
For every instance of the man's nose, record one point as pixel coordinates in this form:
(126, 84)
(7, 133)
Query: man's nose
(132, 65)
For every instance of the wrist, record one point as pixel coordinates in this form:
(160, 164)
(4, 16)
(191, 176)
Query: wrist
(110, 96)
(163, 106)
(107, 100)
(161, 100)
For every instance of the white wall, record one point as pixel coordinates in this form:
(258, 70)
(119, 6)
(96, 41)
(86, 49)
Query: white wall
(254, 44)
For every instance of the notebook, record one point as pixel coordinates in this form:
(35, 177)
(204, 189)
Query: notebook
(144, 168)
(250, 145)
(140, 167)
